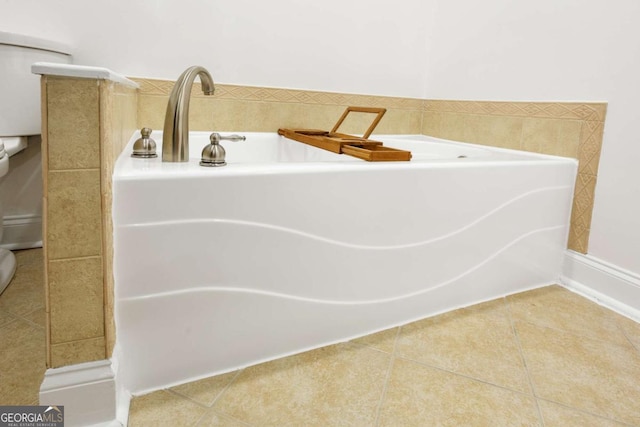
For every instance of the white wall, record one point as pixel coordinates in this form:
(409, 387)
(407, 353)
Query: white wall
(357, 46)
(584, 50)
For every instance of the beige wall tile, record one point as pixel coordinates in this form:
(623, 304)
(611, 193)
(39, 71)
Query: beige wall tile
(71, 353)
(431, 123)
(151, 111)
(76, 298)
(88, 122)
(73, 124)
(552, 136)
(400, 122)
(452, 126)
(74, 214)
(496, 131)
(255, 109)
(125, 115)
(569, 129)
(118, 116)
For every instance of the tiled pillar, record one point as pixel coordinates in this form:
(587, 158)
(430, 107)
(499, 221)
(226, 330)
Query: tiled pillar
(83, 131)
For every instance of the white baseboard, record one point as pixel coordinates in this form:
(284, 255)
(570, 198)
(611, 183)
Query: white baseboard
(607, 284)
(22, 232)
(86, 390)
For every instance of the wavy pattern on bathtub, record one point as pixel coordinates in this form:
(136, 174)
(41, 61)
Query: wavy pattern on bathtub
(302, 233)
(274, 260)
(230, 288)
(218, 330)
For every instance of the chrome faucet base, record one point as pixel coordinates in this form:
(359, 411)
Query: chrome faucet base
(212, 164)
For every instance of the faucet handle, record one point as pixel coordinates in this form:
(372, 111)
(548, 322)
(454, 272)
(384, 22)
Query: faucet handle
(216, 137)
(213, 154)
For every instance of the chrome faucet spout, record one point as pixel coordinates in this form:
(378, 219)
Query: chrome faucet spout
(175, 138)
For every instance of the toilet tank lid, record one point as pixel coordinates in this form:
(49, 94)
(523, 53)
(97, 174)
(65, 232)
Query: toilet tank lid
(33, 42)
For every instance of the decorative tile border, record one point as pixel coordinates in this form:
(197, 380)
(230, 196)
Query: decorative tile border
(549, 110)
(263, 94)
(591, 117)
(590, 114)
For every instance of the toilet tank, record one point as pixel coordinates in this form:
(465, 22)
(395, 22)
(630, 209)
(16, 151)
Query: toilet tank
(19, 88)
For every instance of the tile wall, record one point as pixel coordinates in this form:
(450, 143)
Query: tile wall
(84, 123)
(257, 109)
(569, 129)
(87, 122)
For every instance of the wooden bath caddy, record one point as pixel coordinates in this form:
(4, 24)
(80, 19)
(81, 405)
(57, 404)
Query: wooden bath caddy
(341, 143)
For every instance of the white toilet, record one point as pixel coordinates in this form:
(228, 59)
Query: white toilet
(20, 108)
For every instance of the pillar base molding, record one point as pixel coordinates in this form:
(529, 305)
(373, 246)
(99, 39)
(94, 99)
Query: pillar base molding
(86, 390)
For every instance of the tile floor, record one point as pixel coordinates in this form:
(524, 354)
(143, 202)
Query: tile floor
(22, 340)
(542, 358)
(547, 357)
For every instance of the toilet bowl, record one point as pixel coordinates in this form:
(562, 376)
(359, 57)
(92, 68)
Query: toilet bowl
(20, 108)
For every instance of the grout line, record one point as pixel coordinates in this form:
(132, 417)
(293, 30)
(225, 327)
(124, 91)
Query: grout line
(579, 335)
(224, 390)
(31, 321)
(387, 377)
(12, 319)
(211, 411)
(524, 361)
(222, 414)
(438, 368)
(183, 397)
(78, 340)
(76, 258)
(624, 333)
(582, 411)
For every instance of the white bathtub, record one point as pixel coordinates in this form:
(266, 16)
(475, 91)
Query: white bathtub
(289, 248)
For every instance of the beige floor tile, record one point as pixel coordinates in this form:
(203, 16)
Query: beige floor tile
(29, 257)
(631, 329)
(478, 342)
(383, 341)
(6, 317)
(595, 376)
(207, 390)
(25, 293)
(163, 408)
(214, 419)
(336, 385)
(22, 362)
(559, 308)
(37, 317)
(422, 396)
(555, 415)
